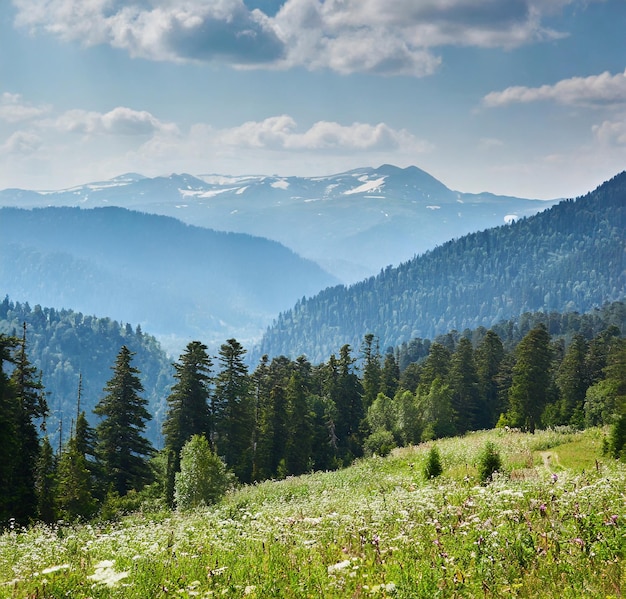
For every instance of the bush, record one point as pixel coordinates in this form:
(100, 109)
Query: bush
(203, 479)
(489, 462)
(433, 467)
(379, 443)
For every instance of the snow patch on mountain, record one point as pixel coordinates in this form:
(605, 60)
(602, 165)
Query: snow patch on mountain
(280, 184)
(373, 185)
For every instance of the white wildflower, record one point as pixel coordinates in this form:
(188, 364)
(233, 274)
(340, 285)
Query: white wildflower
(339, 566)
(105, 574)
(52, 569)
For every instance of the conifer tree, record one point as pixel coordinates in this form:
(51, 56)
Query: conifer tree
(9, 440)
(372, 372)
(235, 410)
(122, 449)
(572, 381)
(470, 415)
(46, 483)
(74, 496)
(390, 378)
(32, 406)
(488, 356)
(531, 383)
(188, 412)
(298, 447)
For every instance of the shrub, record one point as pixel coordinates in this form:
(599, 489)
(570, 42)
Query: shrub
(433, 467)
(380, 442)
(489, 462)
(203, 479)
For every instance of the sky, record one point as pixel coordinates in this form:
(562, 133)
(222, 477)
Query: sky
(516, 97)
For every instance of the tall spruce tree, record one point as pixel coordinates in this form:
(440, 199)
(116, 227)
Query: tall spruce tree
(188, 407)
(469, 413)
(9, 440)
(46, 483)
(372, 371)
(573, 381)
(531, 384)
(122, 448)
(32, 407)
(235, 406)
(488, 356)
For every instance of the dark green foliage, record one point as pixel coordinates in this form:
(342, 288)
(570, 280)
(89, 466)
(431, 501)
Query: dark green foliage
(568, 258)
(9, 439)
(234, 410)
(573, 381)
(488, 356)
(372, 372)
(489, 462)
(46, 483)
(74, 495)
(390, 374)
(32, 409)
(530, 388)
(188, 412)
(64, 345)
(468, 406)
(122, 449)
(433, 467)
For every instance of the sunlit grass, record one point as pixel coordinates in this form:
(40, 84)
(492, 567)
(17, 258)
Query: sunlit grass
(377, 529)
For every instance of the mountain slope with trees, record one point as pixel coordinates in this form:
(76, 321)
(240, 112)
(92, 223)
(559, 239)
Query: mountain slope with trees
(74, 353)
(174, 279)
(570, 257)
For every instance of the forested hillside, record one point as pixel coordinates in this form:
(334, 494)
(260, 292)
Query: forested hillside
(67, 346)
(176, 280)
(570, 257)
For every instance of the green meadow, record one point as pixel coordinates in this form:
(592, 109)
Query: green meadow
(550, 524)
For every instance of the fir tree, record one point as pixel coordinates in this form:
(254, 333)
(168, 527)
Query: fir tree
(234, 410)
(188, 413)
(530, 388)
(46, 483)
(122, 449)
(32, 404)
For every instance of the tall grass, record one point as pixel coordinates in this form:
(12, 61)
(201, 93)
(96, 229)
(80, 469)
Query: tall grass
(376, 529)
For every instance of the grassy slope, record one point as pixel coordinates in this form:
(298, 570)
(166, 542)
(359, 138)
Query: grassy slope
(552, 526)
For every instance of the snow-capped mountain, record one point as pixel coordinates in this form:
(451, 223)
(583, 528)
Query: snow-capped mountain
(352, 224)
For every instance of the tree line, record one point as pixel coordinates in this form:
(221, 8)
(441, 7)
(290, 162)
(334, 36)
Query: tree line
(225, 422)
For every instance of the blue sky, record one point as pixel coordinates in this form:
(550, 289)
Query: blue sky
(520, 97)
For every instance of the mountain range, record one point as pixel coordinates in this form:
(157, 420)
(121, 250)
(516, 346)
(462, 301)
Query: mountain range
(179, 282)
(352, 224)
(570, 257)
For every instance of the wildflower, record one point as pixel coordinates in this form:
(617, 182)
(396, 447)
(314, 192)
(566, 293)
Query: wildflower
(339, 566)
(554, 477)
(578, 541)
(543, 510)
(105, 574)
(52, 569)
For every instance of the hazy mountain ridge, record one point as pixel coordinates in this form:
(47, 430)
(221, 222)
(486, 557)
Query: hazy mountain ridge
(568, 258)
(352, 223)
(173, 279)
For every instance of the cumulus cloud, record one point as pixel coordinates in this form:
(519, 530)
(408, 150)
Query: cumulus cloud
(604, 89)
(119, 121)
(611, 133)
(281, 133)
(21, 143)
(375, 36)
(14, 110)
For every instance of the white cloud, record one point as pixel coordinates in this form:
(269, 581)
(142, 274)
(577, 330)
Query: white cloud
(119, 121)
(611, 133)
(14, 110)
(21, 143)
(280, 133)
(604, 89)
(376, 36)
